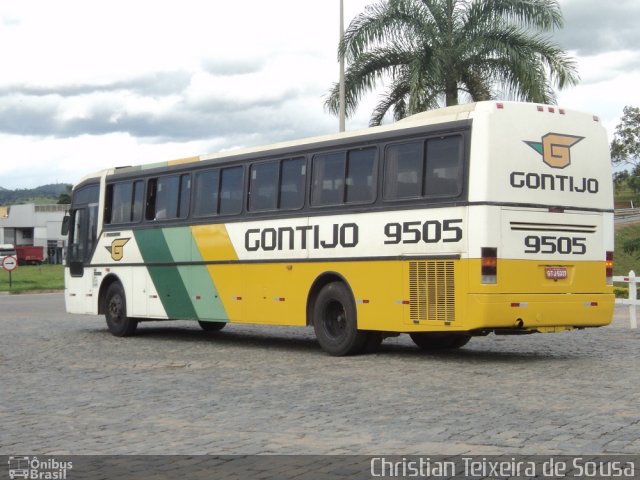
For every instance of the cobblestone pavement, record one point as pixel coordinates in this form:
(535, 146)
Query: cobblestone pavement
(68, 387)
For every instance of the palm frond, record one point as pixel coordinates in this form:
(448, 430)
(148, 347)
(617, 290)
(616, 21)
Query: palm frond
(365, 73)
(430, 50)
(541, 15)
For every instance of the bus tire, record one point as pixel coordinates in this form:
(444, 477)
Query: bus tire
(439, 341)
(211, 326)
(115, 312)
(459, 341)
(335, 323)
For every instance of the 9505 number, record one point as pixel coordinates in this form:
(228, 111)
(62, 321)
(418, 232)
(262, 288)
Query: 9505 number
(431, 231)
(550, 244)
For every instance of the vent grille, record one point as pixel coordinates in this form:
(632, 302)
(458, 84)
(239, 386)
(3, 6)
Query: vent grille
(432, 291)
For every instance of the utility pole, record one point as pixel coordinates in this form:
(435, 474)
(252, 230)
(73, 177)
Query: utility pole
(342, 95)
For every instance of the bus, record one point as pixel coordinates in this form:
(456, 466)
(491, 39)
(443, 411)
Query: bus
(491, 217)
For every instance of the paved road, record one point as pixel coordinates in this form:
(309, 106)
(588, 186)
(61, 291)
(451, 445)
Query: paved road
(68, 387)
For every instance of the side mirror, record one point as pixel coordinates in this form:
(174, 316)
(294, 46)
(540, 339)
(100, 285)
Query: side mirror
(64, 231)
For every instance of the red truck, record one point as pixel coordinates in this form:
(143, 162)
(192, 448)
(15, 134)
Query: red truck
(30, 255)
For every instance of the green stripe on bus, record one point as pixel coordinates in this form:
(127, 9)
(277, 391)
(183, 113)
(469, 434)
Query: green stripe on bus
(149, 166)
(166, 278)
(153, 246)
(180, 243)
(200, 287)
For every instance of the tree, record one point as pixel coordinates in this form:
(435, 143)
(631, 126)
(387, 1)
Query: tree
(432, 51)
(625, 147)
(65, 197)
(620, 178)
(633, 182)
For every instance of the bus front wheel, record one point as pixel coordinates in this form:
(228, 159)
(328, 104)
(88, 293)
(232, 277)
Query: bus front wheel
(115, 312)
(439, 341)
(334, 321)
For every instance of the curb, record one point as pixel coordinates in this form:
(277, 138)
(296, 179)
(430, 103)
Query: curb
(27, 292)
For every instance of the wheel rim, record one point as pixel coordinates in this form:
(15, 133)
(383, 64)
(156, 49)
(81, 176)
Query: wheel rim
(335, 320)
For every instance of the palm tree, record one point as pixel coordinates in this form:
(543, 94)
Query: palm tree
(434, 50)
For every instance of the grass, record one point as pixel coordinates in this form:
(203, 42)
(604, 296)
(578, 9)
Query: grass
(33, 277)
(624, 194)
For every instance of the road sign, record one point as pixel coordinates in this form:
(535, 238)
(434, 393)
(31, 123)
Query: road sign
(10, 263)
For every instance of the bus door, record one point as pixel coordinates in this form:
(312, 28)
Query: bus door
(82, 227)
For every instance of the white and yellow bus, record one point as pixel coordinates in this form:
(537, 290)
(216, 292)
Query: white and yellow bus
(494, 217)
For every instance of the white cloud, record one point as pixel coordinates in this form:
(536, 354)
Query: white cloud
(88, 86)
(608, 85)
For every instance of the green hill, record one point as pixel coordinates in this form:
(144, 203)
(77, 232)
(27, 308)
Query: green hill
(39, 195)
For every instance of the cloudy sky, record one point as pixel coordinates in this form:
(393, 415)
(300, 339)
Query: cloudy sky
(87, 85)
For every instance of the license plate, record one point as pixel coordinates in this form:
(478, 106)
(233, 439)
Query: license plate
(555, 273)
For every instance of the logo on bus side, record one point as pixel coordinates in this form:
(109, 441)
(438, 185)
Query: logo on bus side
(555, 149)
(117, 248)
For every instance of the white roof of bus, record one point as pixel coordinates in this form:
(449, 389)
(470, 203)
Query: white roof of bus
(440, 115)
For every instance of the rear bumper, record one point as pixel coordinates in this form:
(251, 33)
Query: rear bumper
(542, 312)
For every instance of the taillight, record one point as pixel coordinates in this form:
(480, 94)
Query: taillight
(489, 264)
(609, 268)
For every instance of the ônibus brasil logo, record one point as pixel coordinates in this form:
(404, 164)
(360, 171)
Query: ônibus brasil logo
(555, 149)
(38, 469)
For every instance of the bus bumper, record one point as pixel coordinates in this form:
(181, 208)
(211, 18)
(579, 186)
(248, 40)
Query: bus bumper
(539, 312)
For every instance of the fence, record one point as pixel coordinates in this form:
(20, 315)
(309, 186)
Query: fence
(632, 300)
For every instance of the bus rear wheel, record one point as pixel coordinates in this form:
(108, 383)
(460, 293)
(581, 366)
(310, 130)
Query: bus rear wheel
(334, 321)
(115, 312)
(211, 326)
(439, 341)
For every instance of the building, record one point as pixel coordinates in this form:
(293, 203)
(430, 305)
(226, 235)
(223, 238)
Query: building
(35, 225)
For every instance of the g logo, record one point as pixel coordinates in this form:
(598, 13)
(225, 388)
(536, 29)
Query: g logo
(555, 149)
(117, 248)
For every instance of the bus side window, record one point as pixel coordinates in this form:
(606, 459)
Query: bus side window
(403, 171)
(167, 198)
(184, 196)
(93, 227)
(292, 183)
(206, 196)
(150, 210)
(108, 205)
(360, 180)
(277, 185)
(138, 200)
(231, 191)
(328, 179)
(263, 186)
(443, 176)
(121, 202)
